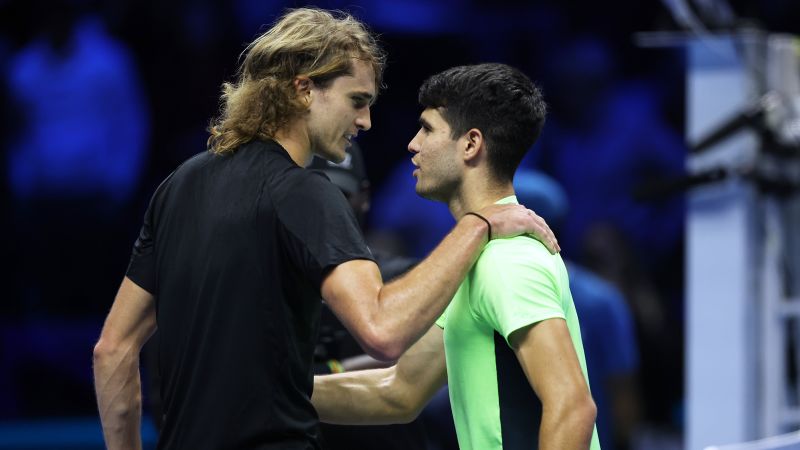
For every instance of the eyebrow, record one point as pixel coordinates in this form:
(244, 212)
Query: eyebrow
(424, 123)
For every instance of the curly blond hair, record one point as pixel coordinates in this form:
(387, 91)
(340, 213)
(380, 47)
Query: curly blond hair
(305, 41)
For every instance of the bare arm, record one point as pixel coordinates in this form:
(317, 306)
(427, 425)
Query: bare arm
(382, 396)
(387, 319)
(130, 323)
(548, 358)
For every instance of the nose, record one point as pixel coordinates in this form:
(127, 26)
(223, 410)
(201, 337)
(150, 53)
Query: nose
(413, 146)
(363, 121)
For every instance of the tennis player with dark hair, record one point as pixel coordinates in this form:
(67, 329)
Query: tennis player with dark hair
(509, 344)
(240, 243)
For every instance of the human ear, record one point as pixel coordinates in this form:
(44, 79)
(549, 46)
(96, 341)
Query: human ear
(302, 87)
(473, 144)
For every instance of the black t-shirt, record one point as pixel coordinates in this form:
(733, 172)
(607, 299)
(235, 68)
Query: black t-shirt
(234, 248)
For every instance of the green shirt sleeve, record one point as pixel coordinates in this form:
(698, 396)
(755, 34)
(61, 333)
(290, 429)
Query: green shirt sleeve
(517, 283)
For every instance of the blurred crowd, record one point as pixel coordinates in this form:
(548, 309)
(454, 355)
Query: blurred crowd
(101, 100)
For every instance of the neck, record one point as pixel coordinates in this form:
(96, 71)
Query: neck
(477, 193)
(296, 143)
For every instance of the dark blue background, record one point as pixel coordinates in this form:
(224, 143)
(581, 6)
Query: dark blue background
(86, 141)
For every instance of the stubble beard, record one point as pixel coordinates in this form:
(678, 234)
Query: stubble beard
(326, 152)
(441, 192)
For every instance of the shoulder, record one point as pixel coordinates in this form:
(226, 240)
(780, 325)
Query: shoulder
(280, 178)
(300, 195)
(196, 161)
(521, 252)
(301, 186)
(517, 282)
(519, 265)
(184, 170)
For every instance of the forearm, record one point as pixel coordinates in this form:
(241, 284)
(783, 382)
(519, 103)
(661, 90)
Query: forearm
(119, 397)
(567, 426)
(368, 397)
(408, 306)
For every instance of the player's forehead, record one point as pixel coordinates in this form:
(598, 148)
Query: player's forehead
(433, 118)
(360, 83)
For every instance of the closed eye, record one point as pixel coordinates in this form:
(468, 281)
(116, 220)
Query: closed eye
(425, 125)
(361, 100)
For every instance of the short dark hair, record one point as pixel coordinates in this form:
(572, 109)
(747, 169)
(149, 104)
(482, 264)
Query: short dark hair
(497, 99)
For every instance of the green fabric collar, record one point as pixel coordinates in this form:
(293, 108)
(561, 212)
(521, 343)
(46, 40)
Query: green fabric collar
(506, 200)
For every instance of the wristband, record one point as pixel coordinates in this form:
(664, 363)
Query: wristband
(483, 219)
(335, 366)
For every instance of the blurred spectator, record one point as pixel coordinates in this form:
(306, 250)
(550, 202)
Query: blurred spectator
(74, 164)
(72, 167)
(85, 130)
(607, 328)
(605, 138)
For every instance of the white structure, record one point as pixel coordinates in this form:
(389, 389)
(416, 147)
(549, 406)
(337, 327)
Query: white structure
(742, 250)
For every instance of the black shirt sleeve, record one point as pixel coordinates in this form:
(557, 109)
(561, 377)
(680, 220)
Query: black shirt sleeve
(319, 229)
(142, 266)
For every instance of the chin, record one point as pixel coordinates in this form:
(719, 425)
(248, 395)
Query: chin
(425, 194)
(332, 155)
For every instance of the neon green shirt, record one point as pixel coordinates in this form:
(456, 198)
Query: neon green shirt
(515, 282)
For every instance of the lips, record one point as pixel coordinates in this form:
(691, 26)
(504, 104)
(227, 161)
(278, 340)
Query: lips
(349, 138)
